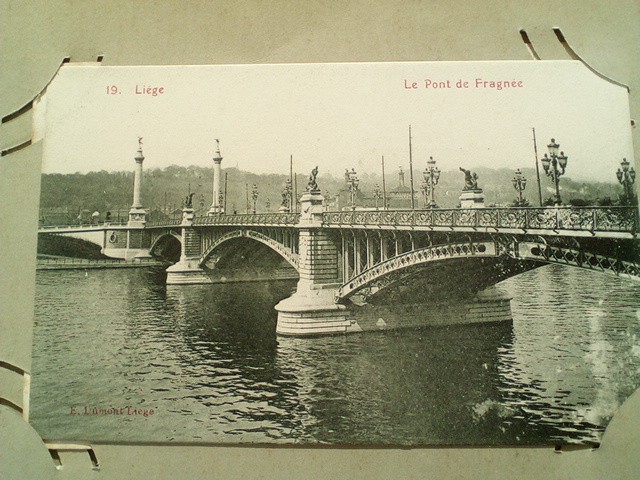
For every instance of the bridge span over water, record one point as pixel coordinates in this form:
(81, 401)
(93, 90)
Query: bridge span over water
(355, 266)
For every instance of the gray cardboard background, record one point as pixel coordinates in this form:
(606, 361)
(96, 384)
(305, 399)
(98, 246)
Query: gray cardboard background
(36, 35)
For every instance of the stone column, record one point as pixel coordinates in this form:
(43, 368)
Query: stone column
(312, 310)
(137, 214)
(137, 181)
(216, 207)
(135, 246)
(188, 270)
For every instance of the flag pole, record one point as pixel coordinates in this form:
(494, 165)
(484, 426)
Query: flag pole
(295, 188)
(291, 183)
(225, 191)
(535, 150)
(413, 206)
(384, 188)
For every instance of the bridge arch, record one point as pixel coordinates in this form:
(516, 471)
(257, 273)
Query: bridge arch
(274, 245)
(414, 258)
(532, 253)
(163, 237)
(167, 245)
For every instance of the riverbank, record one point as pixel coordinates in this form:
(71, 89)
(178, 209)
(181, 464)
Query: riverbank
(70, 263)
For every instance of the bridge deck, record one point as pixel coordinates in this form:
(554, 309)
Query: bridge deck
(612, 222)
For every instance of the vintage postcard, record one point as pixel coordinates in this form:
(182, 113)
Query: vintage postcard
(347, 254)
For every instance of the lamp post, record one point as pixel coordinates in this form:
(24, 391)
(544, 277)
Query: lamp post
(353, 181)
(254, 196)
(431, 177)
(551, 166)
(377, 194)
(626, 177)
(519, 183)
(220, 201)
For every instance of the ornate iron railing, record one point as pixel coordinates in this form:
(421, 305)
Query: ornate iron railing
(591, 219)
(79, 226)
(167, 222)
(250, 219)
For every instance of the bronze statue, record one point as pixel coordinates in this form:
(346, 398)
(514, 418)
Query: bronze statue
(470, 180)
(189, 201)
(313, 185)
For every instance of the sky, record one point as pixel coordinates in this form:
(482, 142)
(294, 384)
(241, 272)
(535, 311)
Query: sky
(336, 116)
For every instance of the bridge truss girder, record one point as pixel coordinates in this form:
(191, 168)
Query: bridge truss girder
(283, 241)
(373, 261)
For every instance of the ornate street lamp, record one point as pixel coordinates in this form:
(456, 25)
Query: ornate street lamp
(377, 194)
(551, 166)
(626, 177)
(353, 181)
(519, 183)
(431, 176)
(254, 196)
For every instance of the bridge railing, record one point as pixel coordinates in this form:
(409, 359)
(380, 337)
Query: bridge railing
(167, 222)
(591, 219)
(257, 219)
(96, 226)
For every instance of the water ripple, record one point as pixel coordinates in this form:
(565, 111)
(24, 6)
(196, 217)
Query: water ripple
(212, 369)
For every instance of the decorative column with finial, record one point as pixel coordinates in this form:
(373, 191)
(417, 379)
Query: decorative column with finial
(216, 205)
(137, 214)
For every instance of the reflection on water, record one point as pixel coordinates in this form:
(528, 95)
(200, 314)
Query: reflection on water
(206, 361)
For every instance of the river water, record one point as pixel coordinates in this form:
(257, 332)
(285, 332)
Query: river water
(119, 356)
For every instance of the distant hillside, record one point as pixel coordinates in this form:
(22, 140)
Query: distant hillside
(65, 196)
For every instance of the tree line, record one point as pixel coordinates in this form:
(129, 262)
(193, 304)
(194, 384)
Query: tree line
(164, 190)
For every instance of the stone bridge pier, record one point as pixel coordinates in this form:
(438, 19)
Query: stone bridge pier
(312, 309)
(188, 270)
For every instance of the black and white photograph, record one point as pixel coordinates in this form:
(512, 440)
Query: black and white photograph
(345, 254)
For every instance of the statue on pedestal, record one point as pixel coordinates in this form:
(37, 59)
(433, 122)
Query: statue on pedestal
(313, 185)
(470, 180)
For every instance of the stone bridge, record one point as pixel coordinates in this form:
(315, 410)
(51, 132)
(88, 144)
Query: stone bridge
(367, 257)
